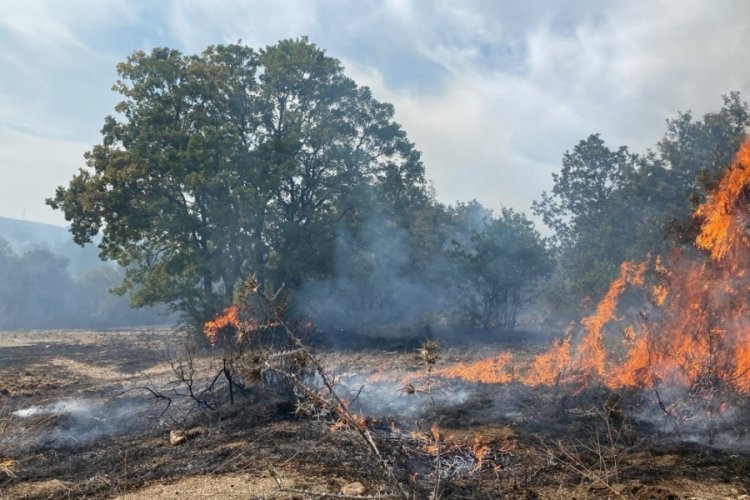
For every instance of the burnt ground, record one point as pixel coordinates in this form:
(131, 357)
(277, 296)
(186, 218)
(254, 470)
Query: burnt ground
(68, 430)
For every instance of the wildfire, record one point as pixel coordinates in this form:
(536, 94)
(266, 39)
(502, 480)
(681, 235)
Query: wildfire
(702, 336)
(699, 334)
(693, 329)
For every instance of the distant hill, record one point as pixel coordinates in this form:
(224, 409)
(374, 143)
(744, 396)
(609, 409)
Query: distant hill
(24, 236)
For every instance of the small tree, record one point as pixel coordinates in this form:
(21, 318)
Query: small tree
(496, 270)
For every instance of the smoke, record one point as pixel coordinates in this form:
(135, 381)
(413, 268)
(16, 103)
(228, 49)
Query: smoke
(387, 399)
(47, 281)
(393, 279)
(711, 420)
(374, 282)
(79, 421)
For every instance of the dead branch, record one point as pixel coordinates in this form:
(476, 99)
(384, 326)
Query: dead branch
(333, 403)
(157, 395)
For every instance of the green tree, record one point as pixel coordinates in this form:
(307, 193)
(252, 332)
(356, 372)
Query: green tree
(690, 159)
(496, 270)
(234, 162)
(590, 174)
(588, 214)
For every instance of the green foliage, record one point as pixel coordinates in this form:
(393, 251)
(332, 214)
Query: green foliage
(589, 215)
(235, 162)
(497, 269)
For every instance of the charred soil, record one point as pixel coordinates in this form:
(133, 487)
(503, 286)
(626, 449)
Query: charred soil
(67, 430)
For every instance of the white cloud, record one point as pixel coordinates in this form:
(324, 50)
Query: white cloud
(497, 134)
(491, 92)
(59, 32)
(197, 23)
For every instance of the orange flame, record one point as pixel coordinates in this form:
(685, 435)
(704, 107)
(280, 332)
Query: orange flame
(591, 354)
(497, 370)
(725, 213)
(550, 367)
(480, 449)
(228, 320)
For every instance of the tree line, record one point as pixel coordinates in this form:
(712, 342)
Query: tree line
(273, 163)
(37, 290)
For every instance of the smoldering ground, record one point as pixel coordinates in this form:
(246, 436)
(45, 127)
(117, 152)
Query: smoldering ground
(79, 421)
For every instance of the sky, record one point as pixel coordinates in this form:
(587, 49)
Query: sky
(491, 92)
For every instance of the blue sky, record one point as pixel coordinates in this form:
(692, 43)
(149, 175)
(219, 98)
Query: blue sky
(491, 92)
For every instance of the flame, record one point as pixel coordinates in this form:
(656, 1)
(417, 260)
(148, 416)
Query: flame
(429, 440)
(724, 232)
(591, 355)
(480, 450)
(228, 320)
(702, 336)
(550, 367)
(496, 370)
(435, 432)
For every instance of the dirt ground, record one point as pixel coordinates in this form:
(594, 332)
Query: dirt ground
(76, 421)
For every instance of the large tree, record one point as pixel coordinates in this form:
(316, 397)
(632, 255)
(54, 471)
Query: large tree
(233, 162)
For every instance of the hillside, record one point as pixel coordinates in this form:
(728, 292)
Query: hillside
(26, 235)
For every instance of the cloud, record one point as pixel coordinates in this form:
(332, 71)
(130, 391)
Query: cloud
(196, 24)
(59, 32)
(514, 98)
(493, 93)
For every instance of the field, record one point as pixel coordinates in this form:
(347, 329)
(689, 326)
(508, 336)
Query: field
(77, 419)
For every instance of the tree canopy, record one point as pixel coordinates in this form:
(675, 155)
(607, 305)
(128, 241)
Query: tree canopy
(497, 268)
(233, 162)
